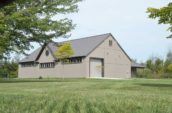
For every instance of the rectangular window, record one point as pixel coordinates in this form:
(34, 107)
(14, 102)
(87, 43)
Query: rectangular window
(73, 60)
(47, 65)
(110, 43)
(28, 64)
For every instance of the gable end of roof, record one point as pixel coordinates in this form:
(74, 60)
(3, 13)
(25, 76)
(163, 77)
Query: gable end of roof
(108, 34)
(121, 48)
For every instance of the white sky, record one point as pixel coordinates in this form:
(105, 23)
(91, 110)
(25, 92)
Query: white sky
(128, 21)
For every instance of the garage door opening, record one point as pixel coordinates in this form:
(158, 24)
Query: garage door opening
(96, 68)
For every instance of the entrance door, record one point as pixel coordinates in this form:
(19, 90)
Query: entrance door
(96, 68)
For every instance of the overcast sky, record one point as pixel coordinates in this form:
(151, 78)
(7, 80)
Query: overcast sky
(128, 21)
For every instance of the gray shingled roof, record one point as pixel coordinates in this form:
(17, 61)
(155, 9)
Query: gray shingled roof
(32, 57)
(137, 65)
(82, 47)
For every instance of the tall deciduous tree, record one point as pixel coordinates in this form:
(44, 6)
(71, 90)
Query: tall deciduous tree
(5, 2)
(163, 14)
(26, 21)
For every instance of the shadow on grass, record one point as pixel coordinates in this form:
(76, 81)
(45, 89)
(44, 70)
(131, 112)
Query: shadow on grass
(155, 85)
(35, 80)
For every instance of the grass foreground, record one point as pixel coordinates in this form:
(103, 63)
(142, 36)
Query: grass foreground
(85, 96)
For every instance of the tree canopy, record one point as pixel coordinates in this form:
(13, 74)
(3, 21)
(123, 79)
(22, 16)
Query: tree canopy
(5, 2)
(163, 14)
(64, 51)
(26, 21)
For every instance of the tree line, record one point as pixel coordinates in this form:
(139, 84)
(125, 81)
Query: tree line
(157, 67)
(8, 69)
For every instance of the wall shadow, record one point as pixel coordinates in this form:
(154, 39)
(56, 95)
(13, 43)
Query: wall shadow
(35, 80)
(155, 85)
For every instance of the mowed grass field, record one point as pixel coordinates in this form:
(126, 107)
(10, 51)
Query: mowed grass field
(85, 96)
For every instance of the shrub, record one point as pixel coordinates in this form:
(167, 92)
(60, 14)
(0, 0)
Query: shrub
(40, 77)
(144, 73)
(169, 68)
(167, 75)
(13, 75)
(3, 74)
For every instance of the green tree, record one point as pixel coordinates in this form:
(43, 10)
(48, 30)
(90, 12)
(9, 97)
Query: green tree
(169, 56)
(26, 21)
(163, 14)
(169, 68)
(9, 69)
(150, 65)
(5, 2)
(64, 52)
(156, 66)
(159, 66)
(168, 61)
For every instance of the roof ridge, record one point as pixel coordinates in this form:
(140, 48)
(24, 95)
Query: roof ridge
(81, 38)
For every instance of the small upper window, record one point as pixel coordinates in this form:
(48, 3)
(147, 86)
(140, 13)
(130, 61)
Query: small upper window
(110, 42)
(47, 53)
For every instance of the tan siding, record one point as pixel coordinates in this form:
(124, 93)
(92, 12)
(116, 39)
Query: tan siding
(28, 72)
(43, 58)
(67, 70)
(116, 63)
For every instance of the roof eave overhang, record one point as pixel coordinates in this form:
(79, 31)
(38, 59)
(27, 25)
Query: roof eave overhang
(138, 66)
(27, 62)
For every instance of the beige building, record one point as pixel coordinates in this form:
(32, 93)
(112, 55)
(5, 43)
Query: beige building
(95, 57)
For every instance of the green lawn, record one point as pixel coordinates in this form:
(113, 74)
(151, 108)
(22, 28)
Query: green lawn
(85, 96)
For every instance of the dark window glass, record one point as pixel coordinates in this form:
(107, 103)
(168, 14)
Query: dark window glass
(74, 60)
(47, 65)
(110, 42)
(47, 53)
(28, 64)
